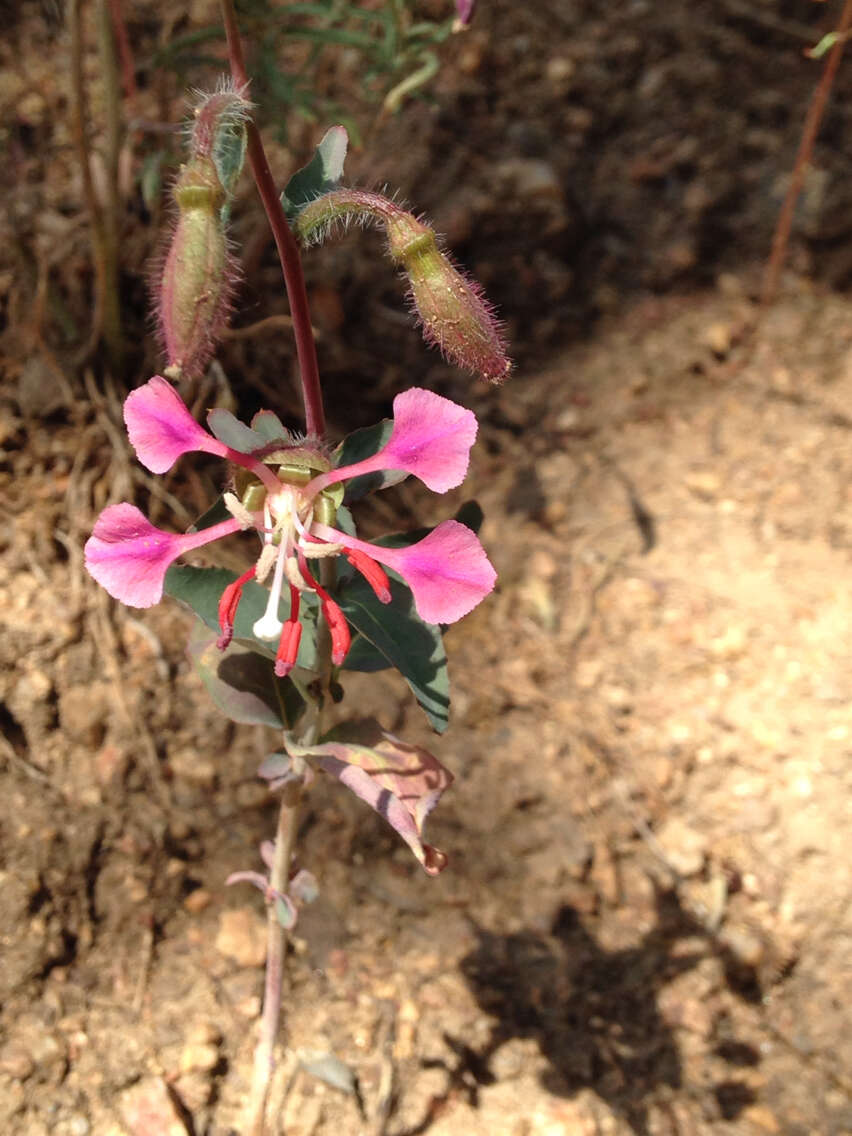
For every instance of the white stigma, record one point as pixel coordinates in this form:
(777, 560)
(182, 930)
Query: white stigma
(269, 626)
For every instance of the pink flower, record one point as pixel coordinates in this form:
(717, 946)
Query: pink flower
(288, 498)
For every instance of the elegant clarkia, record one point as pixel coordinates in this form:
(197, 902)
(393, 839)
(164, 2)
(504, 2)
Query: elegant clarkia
(289, 492)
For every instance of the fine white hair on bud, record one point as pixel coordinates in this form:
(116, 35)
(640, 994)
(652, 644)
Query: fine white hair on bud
(194, 288)
(452, 309)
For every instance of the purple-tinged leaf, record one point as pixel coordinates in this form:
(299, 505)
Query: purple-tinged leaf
(242, 684)
(304, 887)
(403, 783)
(285, 910)
(256, 879)
(279, 771)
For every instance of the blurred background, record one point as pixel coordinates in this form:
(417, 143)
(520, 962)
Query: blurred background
(644, 927)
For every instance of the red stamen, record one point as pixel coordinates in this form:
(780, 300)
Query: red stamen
(288, 645)
(341, 637)
(372, 572)
(228, 608)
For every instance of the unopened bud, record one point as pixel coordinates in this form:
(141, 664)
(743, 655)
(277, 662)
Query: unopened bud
(194, 289)
(197, 280)
(454, 313)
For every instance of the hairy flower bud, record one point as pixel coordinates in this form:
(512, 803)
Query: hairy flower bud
(194, 289)
(197, 281)
(453, 312)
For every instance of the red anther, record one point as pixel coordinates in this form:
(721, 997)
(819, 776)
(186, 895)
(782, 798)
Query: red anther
(288, 648)
(291, 635)
(341, 638)
(228, 604)
(372, 572)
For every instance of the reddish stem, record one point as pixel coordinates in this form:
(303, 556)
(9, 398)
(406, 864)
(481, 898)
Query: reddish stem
(125, 52)
(288, 250)
(806, 145)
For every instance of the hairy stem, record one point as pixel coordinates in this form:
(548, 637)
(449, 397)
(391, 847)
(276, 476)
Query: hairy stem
(285, 242)
(806, 145)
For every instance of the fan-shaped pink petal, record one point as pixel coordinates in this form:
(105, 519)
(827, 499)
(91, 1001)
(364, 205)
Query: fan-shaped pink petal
(161, 428)
(432, 438)
(129, 557)
(448, 571)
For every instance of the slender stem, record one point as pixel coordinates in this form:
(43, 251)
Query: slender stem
(806, 145)
(125, 52)
(279, 879)
(285, 838)
(81, 144)
(285, 242)
(112, 105)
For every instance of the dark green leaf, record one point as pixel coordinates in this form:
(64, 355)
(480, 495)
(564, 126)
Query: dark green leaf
(363, 444)
(216, 513)
(470, 514)
(200, 589)
(364, 657)
(415, 648)
(322, 173)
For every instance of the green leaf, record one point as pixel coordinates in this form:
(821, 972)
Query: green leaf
(363, 444)
(322, 173)
(232, 432)
(200, 589)
(415, 648)
(364, 657)
(243, 684)
(403, 783)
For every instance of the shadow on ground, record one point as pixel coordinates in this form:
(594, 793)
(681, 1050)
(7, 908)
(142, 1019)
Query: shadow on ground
(594, 1013)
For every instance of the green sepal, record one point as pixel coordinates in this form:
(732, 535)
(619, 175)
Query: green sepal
(270, 427)
(229, 154)
(228, 429)
(322, 173)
